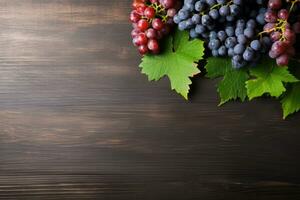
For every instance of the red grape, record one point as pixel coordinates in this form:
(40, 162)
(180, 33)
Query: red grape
(168, 3)
(274, 4)
(275, 36)
(289, 36)
(278, 47)
(283, 60)
(141, 39)
(143, 49)
(271, 16)
(135, 41)
(273, 54)
(134, 16)
(151, 33)
(283, 14)
(269, 26)
(141, 9)
(143, 24)
(171, 12)
(134, 33)
(149, 12)
(153, 45)
(157, 24)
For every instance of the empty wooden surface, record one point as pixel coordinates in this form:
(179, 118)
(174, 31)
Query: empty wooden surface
(79, 121)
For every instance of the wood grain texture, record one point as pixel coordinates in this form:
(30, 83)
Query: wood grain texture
(79, 121)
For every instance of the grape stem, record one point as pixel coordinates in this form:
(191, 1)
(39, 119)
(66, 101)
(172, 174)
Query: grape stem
(280, 26)
(293, 4)
(160, 11)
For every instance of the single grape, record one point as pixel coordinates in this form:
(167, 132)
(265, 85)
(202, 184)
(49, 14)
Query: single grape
(149, 12)
(214, 44)
(282, 60)
(183, 14)
(168, 3)
(238, 62)
(141, 39)
(230, 42)
(248, 54)
(199, 6)
(193, 33)
(214, 14)
(171, 12)
(224, 11)
(271, 16)
(278, 47)
(206, 20)
(151, 33)
(222, 35)
(234, 10)
(157, 24)
(261, 18)
(196, 19)
(143, 25)
(182, 25)
(290, 36)
(242, 39)
(199, 29)
(283, 14)
(213, 35)
(241, 23)
(222, 51)
(135, 33)
(230, 52)
(255, 44)
(275, 4)
(239, 31)
(134, 17)
(143, 49)
(239, 49)
(251, 24)
(249, 32)
(153, 45)
(229, 31)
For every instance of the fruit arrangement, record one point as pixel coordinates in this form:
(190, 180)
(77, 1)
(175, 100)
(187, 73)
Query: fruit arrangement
(252, 44)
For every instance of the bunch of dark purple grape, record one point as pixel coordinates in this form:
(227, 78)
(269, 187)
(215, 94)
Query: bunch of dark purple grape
(243, 29)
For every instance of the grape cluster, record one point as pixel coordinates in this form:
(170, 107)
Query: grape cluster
(283, 23)
(202, 16)
(151, 20)
(230, 27)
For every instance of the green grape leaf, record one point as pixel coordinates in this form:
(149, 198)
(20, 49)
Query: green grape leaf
(177, 61)
(269, 79)
(291, 100)
(232, 87)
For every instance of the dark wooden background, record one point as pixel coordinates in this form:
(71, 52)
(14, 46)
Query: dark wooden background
(79, 121)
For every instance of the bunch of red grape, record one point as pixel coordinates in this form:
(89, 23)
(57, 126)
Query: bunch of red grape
(151, 20)
(283, 23)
